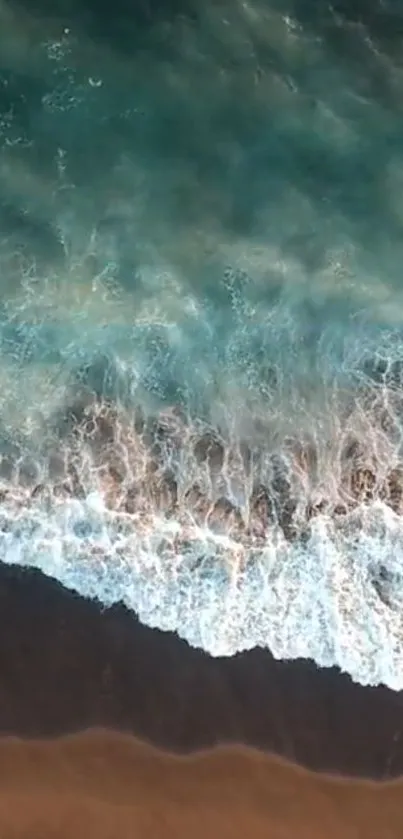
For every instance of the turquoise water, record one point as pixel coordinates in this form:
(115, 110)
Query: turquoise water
(201, 221)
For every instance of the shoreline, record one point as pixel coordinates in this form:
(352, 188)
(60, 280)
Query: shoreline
(68, 664)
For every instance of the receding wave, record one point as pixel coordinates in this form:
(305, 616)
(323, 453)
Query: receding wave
(250, 531)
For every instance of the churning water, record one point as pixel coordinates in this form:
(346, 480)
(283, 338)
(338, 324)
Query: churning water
(201, 318)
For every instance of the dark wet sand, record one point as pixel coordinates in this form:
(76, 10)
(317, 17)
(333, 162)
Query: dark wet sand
(67, 665)
(105, 786)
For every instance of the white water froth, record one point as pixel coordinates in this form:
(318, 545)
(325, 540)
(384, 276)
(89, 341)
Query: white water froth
(337, 598)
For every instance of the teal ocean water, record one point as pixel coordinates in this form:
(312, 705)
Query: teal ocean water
(201, 318)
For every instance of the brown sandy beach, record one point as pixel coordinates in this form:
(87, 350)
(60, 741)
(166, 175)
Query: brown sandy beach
(103, 785)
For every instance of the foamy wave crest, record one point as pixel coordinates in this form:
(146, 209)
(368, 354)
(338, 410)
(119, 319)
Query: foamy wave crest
(291, 544)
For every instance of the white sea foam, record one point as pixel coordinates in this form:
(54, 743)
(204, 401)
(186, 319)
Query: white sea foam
(336, 598)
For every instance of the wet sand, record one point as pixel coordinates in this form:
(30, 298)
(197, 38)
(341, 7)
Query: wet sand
(103, 785)
(67, 665)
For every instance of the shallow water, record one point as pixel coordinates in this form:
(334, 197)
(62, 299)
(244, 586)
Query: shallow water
(201, 209)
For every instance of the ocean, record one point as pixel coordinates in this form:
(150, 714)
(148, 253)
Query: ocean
(201, 318)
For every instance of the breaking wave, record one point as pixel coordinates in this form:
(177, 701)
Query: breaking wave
(275, 530)
(201, 352)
